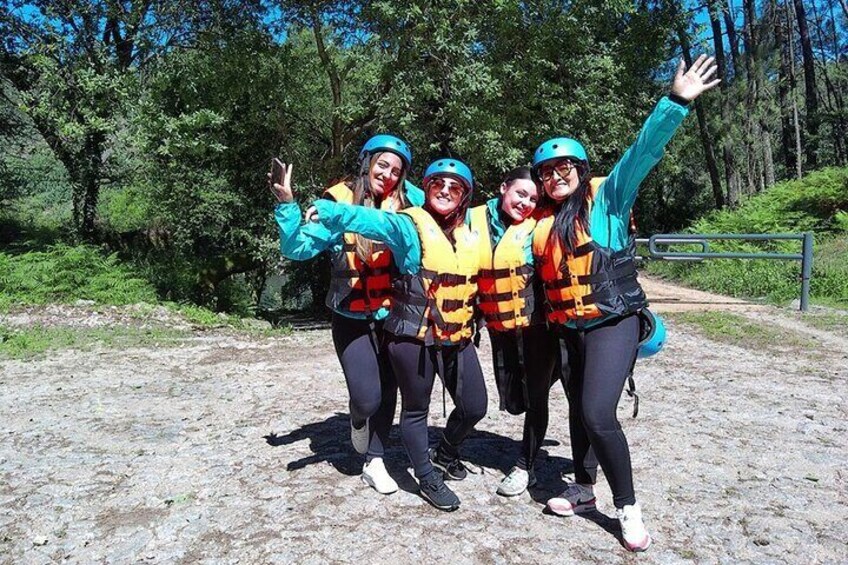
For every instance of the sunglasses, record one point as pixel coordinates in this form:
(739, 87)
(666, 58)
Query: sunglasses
(454, 187)
(562, 168)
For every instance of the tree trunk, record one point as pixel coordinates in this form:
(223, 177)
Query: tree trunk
(732, 38)
(811, 97)
(784, 92)
(334, 164)
(833, 97)
(706, 142)
(796, 120)
(768, 154)
(731, 175)
(88, 185)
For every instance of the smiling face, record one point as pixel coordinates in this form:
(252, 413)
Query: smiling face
(444, 194)
(560, 178)
(385, 172)
(519, 198)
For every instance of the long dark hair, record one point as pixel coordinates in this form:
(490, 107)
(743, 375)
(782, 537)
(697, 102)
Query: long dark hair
(573, 213)
(362, 196)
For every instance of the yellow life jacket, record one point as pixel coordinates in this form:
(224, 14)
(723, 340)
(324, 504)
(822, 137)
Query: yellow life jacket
(592, 282)
(437, 303)
(358, 286)
(505, 282)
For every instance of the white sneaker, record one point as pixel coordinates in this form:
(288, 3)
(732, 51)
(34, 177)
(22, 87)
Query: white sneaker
(359, 437)
(576, 499)
(516, 482)
(374, 474)
(636, 537)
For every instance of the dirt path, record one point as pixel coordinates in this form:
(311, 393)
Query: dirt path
(231, 449)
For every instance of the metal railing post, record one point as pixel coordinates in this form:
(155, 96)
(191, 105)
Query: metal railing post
(806, 270)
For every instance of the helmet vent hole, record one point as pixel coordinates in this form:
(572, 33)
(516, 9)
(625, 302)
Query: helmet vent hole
(555, 146)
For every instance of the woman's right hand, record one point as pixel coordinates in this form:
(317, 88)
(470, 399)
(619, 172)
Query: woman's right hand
(282, 192)
(311, 214)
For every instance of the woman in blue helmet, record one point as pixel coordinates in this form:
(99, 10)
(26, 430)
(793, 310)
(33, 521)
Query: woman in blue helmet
(584, 257)
(429, 329)
(360, 289)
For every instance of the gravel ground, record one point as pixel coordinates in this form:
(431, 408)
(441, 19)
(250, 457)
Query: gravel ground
(230, 448)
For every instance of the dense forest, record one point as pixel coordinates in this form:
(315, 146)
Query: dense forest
(145, 128)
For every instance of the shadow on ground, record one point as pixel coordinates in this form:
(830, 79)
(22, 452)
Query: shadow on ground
(487, 451)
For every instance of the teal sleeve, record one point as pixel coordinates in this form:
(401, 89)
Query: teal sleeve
(622, 185)
(395, 230)
(414, 194)
(300, 242)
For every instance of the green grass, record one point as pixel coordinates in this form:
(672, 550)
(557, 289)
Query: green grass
(833, 322)
(33, 342)
(734, 329)
(816, 203)
(65, 274)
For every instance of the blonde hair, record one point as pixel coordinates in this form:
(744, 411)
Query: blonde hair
(362, 196)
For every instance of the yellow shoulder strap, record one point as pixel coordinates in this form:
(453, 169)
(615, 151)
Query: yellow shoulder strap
(541, 234)
(340, 193)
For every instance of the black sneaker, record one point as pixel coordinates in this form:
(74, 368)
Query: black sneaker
(434, 490)
(451, 468)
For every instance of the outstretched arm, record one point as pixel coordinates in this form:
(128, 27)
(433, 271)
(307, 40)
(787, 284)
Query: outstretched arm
(622, 185)
(297, 242)
(395, 230)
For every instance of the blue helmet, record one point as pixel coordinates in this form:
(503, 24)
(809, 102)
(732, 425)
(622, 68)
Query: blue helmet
(452, 167)
(385, 142)
(558, 148)
(652, 336)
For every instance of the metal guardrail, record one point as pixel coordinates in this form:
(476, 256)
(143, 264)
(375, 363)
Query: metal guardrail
(806, 255)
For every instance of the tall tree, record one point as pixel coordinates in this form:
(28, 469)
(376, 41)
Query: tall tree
(706, 138)
(75, 65)
(811, 99)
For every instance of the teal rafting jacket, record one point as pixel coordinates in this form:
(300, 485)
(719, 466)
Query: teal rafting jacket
(300, 242)
(608, 224)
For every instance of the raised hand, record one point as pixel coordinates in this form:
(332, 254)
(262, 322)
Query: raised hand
(279, 180)
(689, 84)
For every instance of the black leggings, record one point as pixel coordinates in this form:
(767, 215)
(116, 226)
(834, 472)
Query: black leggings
(600, 359)
(416, 366)
(542, 369)
(371, 382)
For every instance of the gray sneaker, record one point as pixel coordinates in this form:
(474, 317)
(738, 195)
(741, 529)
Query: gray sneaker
(516, 482)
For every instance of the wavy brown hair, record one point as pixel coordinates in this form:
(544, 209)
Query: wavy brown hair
(362, 196)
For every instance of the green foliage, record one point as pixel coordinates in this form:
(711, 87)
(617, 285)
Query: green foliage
(65, 274)
(150, 127)
(815, 203)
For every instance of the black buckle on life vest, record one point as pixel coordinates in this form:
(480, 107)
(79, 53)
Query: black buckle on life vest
(451, 305)
(506, 272)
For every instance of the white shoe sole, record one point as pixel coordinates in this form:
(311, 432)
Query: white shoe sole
(640, 547)
(510, 494)
(562, 507)
(386, 489)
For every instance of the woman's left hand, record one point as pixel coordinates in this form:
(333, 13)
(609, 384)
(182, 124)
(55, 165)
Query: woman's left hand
(691, 83)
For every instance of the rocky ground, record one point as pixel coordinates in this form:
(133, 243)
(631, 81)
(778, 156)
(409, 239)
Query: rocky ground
(227, 447)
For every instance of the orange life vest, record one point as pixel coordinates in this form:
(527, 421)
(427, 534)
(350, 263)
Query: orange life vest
(436, 305)
(358, 286)
(592, 282)
(505, 283)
